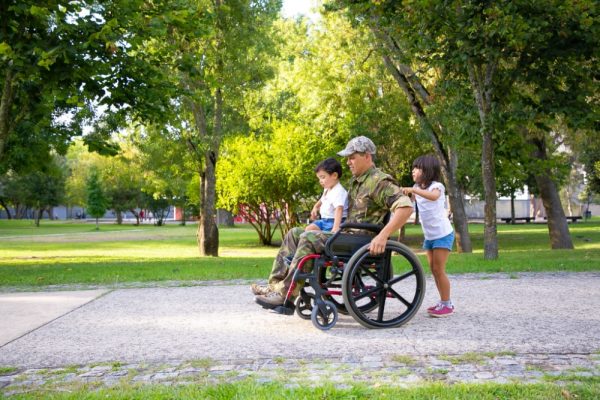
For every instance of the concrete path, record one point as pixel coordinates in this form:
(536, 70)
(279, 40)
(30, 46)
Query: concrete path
(534, 313)
(21, 313)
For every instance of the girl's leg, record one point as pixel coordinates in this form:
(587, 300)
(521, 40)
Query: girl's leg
(431, 267)
(438, 261)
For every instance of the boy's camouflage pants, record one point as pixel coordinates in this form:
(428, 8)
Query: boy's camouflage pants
(299, 244)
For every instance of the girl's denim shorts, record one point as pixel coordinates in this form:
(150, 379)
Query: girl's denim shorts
(445, 242)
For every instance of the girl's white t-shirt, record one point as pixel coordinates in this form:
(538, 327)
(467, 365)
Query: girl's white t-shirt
(433, 214)
(333, 198)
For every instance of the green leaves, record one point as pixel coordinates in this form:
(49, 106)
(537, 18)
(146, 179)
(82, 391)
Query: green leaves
(5, 51)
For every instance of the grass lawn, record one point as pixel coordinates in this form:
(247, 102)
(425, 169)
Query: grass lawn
(59, 253)
(588, 389)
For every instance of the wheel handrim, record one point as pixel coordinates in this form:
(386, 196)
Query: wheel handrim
(393, 286)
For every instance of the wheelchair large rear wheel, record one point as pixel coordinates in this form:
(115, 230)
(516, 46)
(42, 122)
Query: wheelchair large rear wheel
(392, 286)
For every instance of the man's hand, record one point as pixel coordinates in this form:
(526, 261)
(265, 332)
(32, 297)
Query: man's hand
(398, 219)
(377, 245)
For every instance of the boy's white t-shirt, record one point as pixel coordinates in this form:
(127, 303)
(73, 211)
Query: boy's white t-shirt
(433, 214)
(333, 198)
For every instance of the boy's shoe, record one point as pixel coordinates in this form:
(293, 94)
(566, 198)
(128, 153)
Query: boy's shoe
(429, 309)
(258, 290)
(441, 311)
(270, 300)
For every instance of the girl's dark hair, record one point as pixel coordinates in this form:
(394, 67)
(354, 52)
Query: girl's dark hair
(430, 166)
(330, 166)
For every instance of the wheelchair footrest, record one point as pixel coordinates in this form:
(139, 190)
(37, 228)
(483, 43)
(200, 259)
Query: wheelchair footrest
(285, 310)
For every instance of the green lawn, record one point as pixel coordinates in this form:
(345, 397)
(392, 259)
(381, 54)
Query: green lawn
(75, 253)
(588, 389)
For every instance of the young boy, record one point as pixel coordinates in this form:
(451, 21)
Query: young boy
(333, 204)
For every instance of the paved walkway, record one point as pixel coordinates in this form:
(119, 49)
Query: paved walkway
(506, 327)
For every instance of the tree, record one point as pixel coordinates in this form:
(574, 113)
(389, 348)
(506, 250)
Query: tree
(53, 62)
(587, 148)
(123, 182)
(80, 162)
(96, 200)
(269, 178)
(492, 45)
(38, 191)
(212, 53)
(165, 166)
(12, 193)
(398, 62)
(158, 206)
(247, 185)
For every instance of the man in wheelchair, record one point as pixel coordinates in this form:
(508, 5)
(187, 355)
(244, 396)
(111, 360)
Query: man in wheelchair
(372, 195)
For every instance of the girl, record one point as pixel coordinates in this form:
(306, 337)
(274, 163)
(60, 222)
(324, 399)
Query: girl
(429, 194)
(333, 204)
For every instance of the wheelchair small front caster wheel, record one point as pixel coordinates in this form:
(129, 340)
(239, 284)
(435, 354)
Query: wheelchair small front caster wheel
(324, 315)
(304, 306)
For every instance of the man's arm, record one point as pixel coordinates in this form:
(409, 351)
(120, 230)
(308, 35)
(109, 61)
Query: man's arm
(399, 218)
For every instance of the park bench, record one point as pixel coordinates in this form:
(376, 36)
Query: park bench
(573, 218)
(509, 219)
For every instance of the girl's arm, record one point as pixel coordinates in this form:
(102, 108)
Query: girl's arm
(432, 195)
(337, 218)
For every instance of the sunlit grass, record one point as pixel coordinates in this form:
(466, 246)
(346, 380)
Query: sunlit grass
(74, 253)
(249, 389)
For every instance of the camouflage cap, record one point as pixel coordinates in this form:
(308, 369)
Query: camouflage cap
(359, 144)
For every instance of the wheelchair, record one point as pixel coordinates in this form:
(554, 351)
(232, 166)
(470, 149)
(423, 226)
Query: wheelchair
(382, 291)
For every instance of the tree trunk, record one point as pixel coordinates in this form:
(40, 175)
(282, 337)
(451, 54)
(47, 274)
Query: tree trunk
(38, 216)
(3, 204)
(136, 215)
(208, 232)
(447, 161)
(558, 227)
(512, 207)
(182, 221)
(457, 205)
(5, 106)
(119, 217)
(481, 78)
(411, 86)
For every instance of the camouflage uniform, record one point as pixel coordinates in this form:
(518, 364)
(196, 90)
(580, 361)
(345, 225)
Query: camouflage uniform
(370, 196)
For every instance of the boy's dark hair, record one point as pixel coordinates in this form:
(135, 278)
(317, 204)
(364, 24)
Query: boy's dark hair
(430, 166)
(330, 165)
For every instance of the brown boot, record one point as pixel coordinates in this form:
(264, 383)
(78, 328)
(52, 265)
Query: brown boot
(271, 300)
(259, 290)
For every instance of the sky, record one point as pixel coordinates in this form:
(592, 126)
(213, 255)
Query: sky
(292, 8)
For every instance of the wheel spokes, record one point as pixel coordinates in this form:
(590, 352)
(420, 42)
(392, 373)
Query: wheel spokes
(399, 297)
(401, 277)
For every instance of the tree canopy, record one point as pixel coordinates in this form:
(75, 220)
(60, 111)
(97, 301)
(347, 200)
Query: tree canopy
(206, 103)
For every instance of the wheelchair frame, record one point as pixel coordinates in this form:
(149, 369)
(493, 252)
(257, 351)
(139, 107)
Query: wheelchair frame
(367, 284)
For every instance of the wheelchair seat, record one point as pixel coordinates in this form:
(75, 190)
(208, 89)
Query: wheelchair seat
(351, 237)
